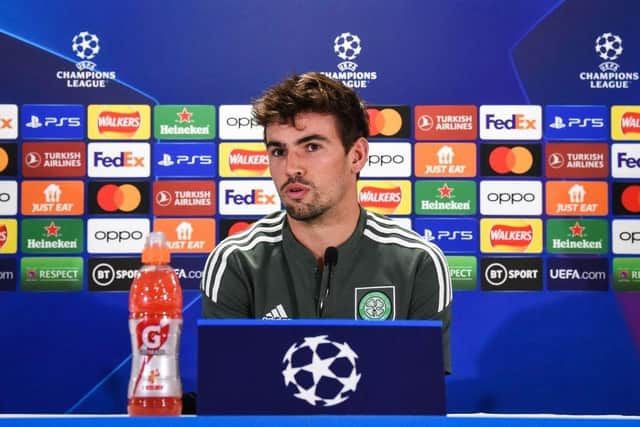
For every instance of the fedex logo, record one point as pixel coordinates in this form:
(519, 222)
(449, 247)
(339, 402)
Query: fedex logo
(109, 160)
(625, 160)
(252, 197)
(576, 122)
(520, 122)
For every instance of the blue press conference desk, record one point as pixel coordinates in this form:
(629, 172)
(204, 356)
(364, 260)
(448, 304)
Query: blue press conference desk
(320, 421)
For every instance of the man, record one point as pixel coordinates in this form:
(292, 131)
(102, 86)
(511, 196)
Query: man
(324, 256)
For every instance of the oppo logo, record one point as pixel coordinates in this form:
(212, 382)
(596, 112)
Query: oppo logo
(627, 236)
(241, 122)
(5, 197)
(511, 198)
(118, 236)
(386, 159)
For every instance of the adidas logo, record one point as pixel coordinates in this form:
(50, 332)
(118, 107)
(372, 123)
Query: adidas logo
(277, 313)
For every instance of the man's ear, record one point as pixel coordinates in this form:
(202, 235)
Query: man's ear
(359, 154)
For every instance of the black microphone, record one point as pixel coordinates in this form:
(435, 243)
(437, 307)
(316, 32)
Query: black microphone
(330, 260)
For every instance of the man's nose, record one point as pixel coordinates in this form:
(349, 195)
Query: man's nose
(295, 164)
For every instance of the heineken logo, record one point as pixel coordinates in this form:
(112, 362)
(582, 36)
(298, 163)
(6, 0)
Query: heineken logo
(375, 303)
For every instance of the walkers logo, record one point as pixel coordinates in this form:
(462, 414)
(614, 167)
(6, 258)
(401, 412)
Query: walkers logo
(8, 274)
(510, 235)
(184, 198)
(454, 159)
(8, 236)
(348, 47)
(52, 121)
(386, 122)
(8, 121)
(385, 197)
(119, 160)
(113, 274)
(625, 234)
(256, 197)
(510, 198)
(228, 227)
(52, 198)
(626, 198)
(450, 122)
(625, 122)
(511, 274)
(9, 159)
(576, 122)
(608, 47)
(119, 121)
(577, 160)
(452, 235)
(445, 198)
(511, 122)
(51, 273)
(184, 122)
(237, 123)
(86, 47)
(626, 274)
(52, 236)
(577, 236)
(510, 160)
(241, 160)
(105, 236)
(625, 160)
(578, 274)
(120, 197)
(8, 198)
(184, 160)
(577, 198)
(188, 235)
(464, 272)
(388, 160)
(53, 159)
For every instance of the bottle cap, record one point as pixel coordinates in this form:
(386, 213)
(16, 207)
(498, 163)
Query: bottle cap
(155, 249)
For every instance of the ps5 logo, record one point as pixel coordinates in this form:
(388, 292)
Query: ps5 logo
(447, 235)
(35, 122)
(586, 122)
(185, 159)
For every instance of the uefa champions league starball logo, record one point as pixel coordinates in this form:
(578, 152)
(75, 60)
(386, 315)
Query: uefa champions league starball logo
(609, 47)
(320, 371)
(347, 46)
(86, 46)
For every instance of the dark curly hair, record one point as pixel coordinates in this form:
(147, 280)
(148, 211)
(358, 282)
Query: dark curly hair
(317, 93)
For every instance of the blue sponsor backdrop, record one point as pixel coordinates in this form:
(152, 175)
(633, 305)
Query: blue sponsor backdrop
(512, 352)
(52, 122)
(576, 122)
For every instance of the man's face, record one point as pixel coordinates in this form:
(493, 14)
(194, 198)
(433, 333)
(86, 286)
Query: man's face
(309, 166)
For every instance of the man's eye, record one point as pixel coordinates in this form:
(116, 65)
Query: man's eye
(277, 152)
(312, 147)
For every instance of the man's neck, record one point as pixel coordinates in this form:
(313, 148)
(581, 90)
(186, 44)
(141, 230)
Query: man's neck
(329, 230)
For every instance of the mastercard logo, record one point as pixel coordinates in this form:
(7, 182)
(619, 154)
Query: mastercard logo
(388, 122)
(518, 160)
(630, 198)
(123, 198)
(4, 159)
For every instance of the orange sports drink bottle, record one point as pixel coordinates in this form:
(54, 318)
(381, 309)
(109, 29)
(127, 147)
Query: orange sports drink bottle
(155, 324)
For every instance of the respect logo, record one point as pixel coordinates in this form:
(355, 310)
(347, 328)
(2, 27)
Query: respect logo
(385, 197)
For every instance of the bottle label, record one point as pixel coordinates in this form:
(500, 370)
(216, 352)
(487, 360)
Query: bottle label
(154, 362)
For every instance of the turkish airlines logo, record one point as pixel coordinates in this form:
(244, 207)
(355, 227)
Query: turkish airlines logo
(570, 198)
(451, 122)
(53, 159)
(386, 197)
(506, 235)
(389, 122)
(577, 160)
(193, 198)
(511, 122)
